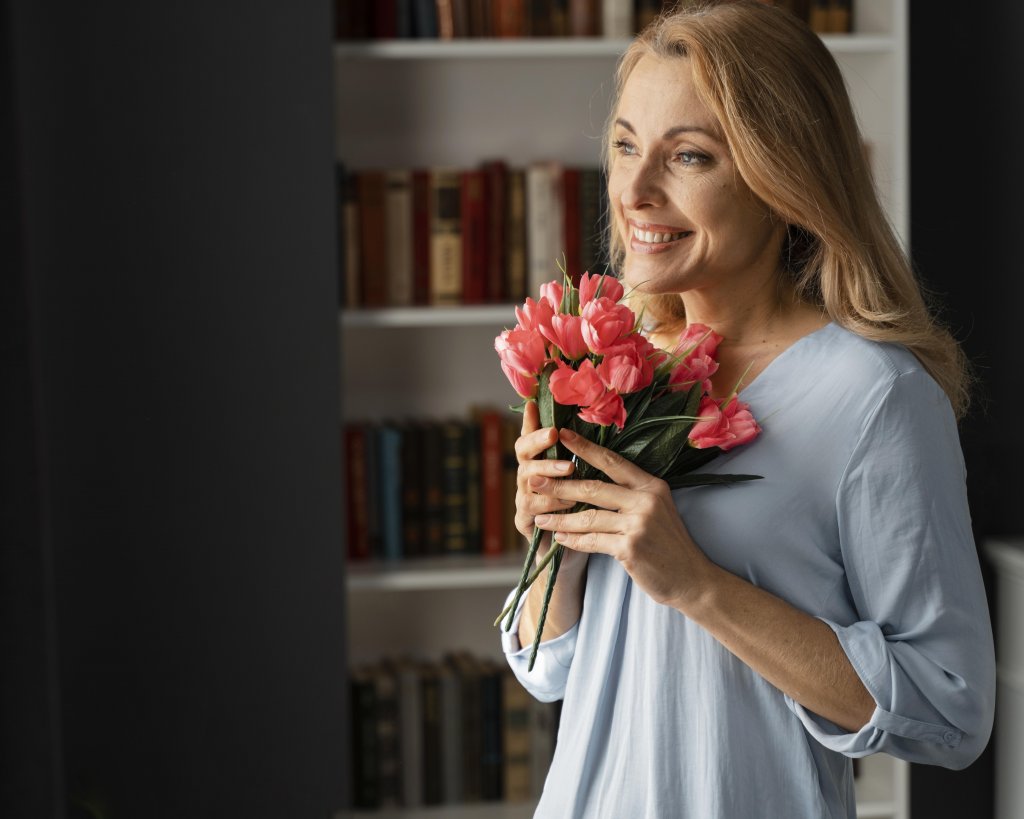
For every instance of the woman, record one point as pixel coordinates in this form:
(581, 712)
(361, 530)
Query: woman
(725, 651)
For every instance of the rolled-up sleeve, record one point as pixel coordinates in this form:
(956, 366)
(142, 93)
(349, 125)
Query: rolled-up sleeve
(546, 682)
(921, 641)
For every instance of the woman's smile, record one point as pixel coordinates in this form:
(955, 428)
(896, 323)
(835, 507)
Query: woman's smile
(647, 238)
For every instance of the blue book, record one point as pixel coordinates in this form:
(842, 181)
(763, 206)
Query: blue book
(389, 475)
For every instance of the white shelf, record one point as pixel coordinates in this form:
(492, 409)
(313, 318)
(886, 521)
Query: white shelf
(497, 315)
(552, 47)
(421, 574)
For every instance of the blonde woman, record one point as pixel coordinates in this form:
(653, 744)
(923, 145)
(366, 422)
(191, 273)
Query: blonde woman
(725, 651)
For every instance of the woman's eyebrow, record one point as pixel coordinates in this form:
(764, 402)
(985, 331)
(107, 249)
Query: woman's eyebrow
(674, 131)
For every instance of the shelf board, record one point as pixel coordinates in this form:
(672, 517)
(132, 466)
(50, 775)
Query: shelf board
(552, 47)
(421, 574)
(876, 810)
(497, 315)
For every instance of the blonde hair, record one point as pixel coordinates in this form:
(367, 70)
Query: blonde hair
(783, 107)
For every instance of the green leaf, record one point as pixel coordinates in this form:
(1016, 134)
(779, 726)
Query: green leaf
(552, 414)
(707, 479)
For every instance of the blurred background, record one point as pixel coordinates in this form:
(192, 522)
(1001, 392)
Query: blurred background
(181, 610)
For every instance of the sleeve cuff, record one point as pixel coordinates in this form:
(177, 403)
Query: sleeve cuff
(550, 672)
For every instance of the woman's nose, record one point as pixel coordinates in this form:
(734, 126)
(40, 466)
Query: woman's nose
(643, 186)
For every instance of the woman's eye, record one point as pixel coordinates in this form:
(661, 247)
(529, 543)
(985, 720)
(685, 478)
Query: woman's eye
(624, 147)
(691, 158)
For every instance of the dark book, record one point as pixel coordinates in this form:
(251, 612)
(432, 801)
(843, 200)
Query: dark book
(451, 734)
(412, 489)
(445, 19)
(819, 16)
(356, 488)
(399, 236)
(410, 719)
(420, 237)
(389, 491)
(352, 20)
(516, 258)
(349, 259)
(424, 19)
(509, 18)
(373, 269)
(492, 768)
(513, 540)
(558, 11)
(571, 221)
(433, 510)
(389, 746)
(584, 18)
(385, 19)
(445, 238)
(430, 707)
(403, 18)
(492, 508)
(365, 781)
(645, 12)
(469, 682)
(454, 487)
(371, 433)
(516, 744)
(460, 18)
(473, 210)
(496, 188)
(471, 435)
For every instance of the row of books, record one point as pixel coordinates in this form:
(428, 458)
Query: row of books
(427, 488)
(454, 731)
(453, 19)
(446, 236)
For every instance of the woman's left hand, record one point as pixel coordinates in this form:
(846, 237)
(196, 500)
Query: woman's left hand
(635, 520)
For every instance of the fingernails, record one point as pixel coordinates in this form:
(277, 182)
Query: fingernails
(567, 435)
(562, 466)
(542, 520)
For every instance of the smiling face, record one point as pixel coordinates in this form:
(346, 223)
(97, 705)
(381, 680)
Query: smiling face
(685, 217)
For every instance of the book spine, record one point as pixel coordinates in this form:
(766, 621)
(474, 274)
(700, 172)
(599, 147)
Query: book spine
(412, 490)
(544, 232)
(515, 245)
(372, 239)
(352, 260)
(411, 722)
(496, 186)
(591, 223)
(398, 223)
(430, 704)
(390, 500)
(421, 237)
(433, 488)
(356, 501)
(451, 735)
(472, 441)
(365, 783)
(445, 239)
(617, 18)
(473, 209)
(389, 751)
(571, 223)
(456, 539)
(512, 538)
(491, 474)
(509, 17)
(515, 738)
(424, 19)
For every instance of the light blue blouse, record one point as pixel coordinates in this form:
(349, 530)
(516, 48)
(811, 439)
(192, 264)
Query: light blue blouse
(861, 520)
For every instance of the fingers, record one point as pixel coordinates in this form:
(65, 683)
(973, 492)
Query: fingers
(610, 463)
(596, 493)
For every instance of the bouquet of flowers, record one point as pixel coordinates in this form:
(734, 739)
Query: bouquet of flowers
(582, 357)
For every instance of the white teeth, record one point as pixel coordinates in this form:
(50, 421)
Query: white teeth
(656, 238)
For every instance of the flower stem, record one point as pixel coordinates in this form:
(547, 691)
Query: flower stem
(556, 550)
(538, 533)
(544, 561)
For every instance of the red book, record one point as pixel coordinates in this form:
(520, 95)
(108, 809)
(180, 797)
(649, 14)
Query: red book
(420, 237)
(509, 18)
(385, 20)
(373, 272)
(355, 500)
(571, 222)
(497, 194)
(491, 482)
(474, 237)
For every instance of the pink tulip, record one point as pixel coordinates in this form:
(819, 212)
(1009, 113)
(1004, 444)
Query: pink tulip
(523, 350)
(566, 333)
(524, 385)
(552, 293)
(625, 371)
(724, 427)
(606, 323)
(581, 387)
(608, 409)
(534, 314)
(592, 286)
(696, 351)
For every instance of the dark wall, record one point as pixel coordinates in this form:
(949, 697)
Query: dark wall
(174, 335)
(967, 212)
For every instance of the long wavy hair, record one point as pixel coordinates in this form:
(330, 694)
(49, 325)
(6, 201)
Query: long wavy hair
(783, 107)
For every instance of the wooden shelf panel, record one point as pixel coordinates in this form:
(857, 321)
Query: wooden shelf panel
(419, 574)
(498, 315)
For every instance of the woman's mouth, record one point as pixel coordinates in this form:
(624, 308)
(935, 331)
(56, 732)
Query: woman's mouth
(657, 238)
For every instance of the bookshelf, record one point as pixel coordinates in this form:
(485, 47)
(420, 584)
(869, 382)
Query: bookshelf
(420, 103)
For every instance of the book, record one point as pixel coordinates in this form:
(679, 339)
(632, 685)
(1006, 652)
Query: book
(510, 429)
(356, 487)
(496, 188)
(399, 237)
(508, 18)
(454, 487)
(617, 19)
(492, 767)
(468, 676)
(424, 19)
(516, 743)
(473, 210)
(445, 238)
(430, 707)
(592, 221)
(389, 491)
(412, 489)
(420, 237)
(545, 236)
(451, 734)
(543, 733)
(373, 489)
(516, 263)
(373, 269)
(492, 507)
(410, 717)
(584, 18)
(365, 781)
(471, 436)
(351, 261)
(389, 751)
(432, 483)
